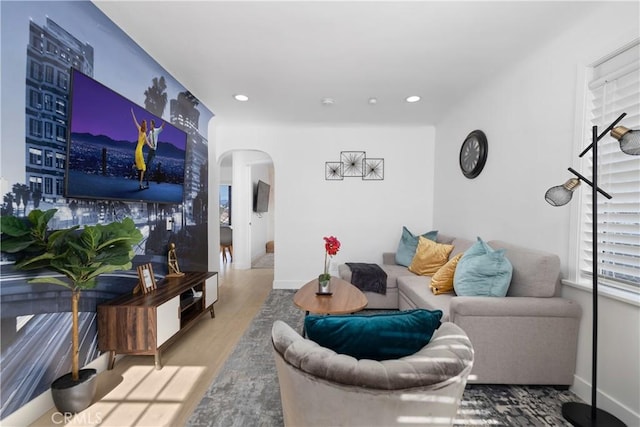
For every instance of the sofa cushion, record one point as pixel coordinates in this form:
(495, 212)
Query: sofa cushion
(535, 273)
(376, 336)
(429, 257)
(408, 244)
(414, 292)
(483, 271)
(442, 281)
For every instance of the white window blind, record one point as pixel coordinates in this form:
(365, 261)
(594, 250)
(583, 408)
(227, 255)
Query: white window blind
(615, 89)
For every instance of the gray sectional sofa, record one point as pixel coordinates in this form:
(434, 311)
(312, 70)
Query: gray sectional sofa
(528, 337)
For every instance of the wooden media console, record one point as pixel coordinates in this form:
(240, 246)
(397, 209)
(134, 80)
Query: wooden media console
(145, 324)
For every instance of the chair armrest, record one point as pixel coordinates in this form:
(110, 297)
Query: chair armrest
(513, 307)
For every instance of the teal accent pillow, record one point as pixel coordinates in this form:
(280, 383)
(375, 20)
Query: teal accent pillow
(375, 336)
(408, 245)
(482, 271)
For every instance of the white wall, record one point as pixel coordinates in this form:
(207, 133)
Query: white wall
(366, 216)
(529, 114)
(262, 229)
(216, 177)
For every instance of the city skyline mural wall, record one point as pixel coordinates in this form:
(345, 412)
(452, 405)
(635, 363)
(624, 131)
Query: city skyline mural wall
(41, 41)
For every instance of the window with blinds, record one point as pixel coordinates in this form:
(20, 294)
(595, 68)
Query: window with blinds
(614, 89)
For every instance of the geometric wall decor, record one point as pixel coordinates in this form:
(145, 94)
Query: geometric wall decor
(354, 164)
(333, 171)
(373, 169)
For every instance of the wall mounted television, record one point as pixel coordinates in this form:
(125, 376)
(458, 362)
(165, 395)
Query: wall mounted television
(101, 147)
(261, 197)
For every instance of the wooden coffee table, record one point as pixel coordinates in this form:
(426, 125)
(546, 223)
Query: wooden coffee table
(345, 298)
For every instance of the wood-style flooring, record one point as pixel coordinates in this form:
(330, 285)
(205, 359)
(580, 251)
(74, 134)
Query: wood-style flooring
(134, 393)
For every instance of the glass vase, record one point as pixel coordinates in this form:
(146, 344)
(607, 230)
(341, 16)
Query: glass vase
(324, 285)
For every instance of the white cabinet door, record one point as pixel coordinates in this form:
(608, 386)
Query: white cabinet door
(168, 316)
(211, 290)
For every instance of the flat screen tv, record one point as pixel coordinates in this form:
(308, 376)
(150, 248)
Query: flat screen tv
(261, 198)
(103, 157)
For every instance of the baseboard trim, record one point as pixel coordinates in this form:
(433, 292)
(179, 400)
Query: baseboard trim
(40, 405)
(582, 389)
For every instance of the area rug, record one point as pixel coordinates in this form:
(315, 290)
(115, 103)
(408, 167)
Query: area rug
(246, 393)
(265, 261)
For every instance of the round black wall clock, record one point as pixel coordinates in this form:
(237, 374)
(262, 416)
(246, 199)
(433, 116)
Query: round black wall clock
(473, 154)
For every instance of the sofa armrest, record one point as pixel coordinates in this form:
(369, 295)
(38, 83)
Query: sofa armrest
(520, 340)
(513, 307)
(389, 258)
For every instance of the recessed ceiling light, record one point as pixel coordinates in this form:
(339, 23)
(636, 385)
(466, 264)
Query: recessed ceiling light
(327, 101)
(412, 98)
(373, 101)
(240, 97)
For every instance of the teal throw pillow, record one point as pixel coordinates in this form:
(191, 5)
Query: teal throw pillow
(408, 245)
(375, 336)
(482, 271)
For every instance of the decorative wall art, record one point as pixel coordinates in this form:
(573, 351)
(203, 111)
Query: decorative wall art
(373, 169)
(354, 164)
(333, 171)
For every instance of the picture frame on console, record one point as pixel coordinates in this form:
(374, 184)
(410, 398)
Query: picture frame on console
(147, 280)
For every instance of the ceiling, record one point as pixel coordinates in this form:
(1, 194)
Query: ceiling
(289, 55)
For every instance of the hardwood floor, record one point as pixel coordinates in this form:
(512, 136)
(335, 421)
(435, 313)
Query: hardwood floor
(136, 394)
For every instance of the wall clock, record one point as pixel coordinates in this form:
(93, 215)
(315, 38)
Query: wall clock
(473, 154)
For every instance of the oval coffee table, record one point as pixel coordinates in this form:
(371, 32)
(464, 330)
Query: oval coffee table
(345, 298)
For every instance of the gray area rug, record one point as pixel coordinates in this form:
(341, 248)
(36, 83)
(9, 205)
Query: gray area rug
(245, 393)
(265, 261)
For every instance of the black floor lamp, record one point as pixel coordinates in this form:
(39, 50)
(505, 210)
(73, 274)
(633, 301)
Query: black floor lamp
(582, 414)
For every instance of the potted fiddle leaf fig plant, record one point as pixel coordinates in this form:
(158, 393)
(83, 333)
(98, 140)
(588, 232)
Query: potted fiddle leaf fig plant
(80, 256)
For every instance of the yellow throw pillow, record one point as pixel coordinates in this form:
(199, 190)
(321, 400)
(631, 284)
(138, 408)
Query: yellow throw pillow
(442, 281)
(429, 257)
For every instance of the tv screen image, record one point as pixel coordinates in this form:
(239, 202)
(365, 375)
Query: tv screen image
(261, 199)
(101, 150)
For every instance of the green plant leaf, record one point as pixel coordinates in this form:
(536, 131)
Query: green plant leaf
(13, 226)
(41, 218)
(36, 262)
(123, 241)
(108, 269)
(12, 245)
(81, 253)
(59, 235)
(51, 281)
(90, 237)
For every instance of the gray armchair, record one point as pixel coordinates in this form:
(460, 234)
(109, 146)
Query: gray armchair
(319, 387)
